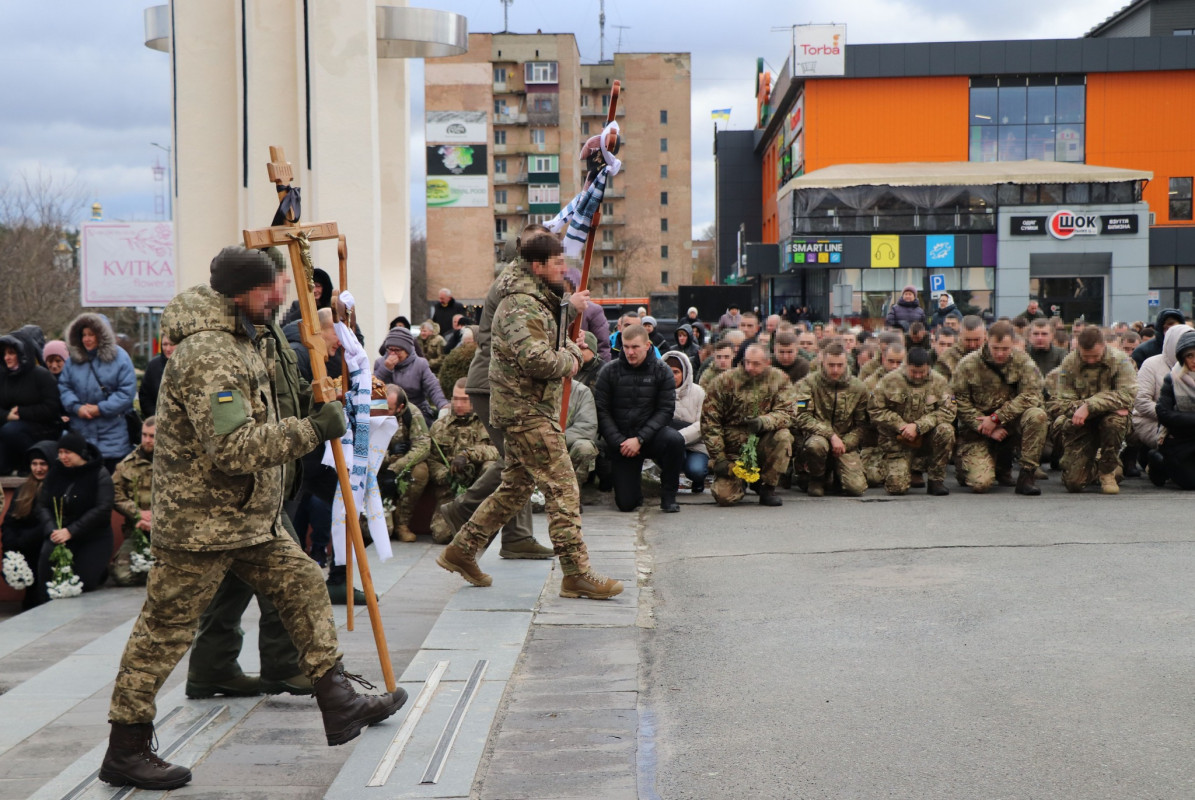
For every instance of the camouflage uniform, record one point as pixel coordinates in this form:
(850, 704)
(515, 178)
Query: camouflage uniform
(433, 350)
(1055, 411)
(871, 367)
(408, 452)
(948, 361)
(1105, 387)
(897, 401)
(217, 499)
(825, 408)
(133, 485)
(732, 399)
(1012, 394)
(454, 436)
(875, 467)
(529, 358)
(707, 377)
(581, 431)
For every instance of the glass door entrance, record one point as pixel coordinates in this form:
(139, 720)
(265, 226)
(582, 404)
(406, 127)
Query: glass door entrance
(1070, 298)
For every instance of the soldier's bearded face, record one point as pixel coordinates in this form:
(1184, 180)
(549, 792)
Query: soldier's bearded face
(1001, 349)
(1093, 355)
(551, 271)
(943, 343)
(147, 437)
(835, 367)
(917, 373)
(755, 363)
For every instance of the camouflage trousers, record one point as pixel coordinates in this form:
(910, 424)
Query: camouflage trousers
(404, 504)
(936, 448)
(121, 566)
(535, 456)
(773, 454)
(817, 458)
(1091, 450)
(982, 457)
(181, 585)
(875, 469)
(583, 453)
(440, 479)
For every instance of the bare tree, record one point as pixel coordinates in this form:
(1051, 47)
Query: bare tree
(419, 306)
(38, 246)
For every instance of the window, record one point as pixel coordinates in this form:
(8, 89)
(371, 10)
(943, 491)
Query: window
(607, 208)
(543, 105)
(663, 145)
(607, 265)
(663, 121)
(664, 224)
(584, 101)
(663, 170)
(500, 107)
(663, 198)
(605, 101)
(499, 74)
(1018, 118)
(500, 197)
(545, 164)
(538, 136)
(584, 128)
(500, 165)
(664, 276)
(1184, 31)
(540, 72)
(499, 136)
(1180, 198)
(608, 236)
(500, 228)
(543, 193)
(664, 254)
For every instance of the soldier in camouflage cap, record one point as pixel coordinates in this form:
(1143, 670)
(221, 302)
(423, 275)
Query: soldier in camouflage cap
(530, 355)
(133, 486)
(753, 398)
(997, 391)
(460, 448)
(218, 458)
(407, 455)
(913, 413)
(832, 421)
(1096, 388)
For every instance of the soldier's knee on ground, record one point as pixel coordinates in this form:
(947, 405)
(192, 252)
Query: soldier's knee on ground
(897, 478)
(813, 453)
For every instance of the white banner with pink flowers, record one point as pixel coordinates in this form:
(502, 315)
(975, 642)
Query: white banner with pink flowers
(126, 263)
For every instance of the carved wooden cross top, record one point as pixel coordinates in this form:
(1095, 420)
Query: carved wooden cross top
(297, 239)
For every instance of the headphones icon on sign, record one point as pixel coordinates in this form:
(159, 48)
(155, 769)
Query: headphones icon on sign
(885, 252)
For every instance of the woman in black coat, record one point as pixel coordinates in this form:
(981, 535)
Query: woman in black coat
(21, 530)
(82, 488)
(30, 407)
(1175, 459)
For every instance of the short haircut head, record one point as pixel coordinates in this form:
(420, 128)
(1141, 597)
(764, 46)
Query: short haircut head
(889, 338)
(1091, 336)
(149, 422)
(834, 349)
(1000, 331)
(917, 328)
(530, 232)
(750, 315)
(917, 357)
(972, 323)
(896, 348)
(461, 383)
(1040, 322)
(540, 249)
(785, 337)
(635, 332)
(757, 349)
(724, 345)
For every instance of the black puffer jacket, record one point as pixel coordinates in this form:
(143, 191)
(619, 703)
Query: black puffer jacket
(634, 401)
(30, 388)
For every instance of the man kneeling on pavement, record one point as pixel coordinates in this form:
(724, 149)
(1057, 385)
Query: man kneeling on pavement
(460, 451)
(913, 412)
(832, 421)
(753, 398)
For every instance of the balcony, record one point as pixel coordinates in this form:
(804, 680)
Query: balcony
(506, 209)
(613, 220)
(514, 118)
(505, 178)
(592, 111)
(609, 247)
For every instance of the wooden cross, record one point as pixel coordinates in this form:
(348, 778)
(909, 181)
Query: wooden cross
(298, 238)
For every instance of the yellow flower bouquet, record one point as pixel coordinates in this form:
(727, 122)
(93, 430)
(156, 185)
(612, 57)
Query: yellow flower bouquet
(746, 466)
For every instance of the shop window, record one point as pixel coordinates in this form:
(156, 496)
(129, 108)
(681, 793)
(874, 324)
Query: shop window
(1017, 118)
(1180, 198)
(1078, 193)
(1161, 277)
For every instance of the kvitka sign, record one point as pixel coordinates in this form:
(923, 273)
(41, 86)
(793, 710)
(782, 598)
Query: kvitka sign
(1065, 224)
(126, 263)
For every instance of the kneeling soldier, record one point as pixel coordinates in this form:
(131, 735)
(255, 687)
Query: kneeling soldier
(998, 394)
(407, 453)
(913, 413)
(460, 449)
(832, 419)
(752, 398)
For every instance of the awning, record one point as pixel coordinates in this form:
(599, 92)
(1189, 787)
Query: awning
(961, 173)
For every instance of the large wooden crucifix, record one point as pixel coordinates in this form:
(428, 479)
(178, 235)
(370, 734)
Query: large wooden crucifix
(297, 238)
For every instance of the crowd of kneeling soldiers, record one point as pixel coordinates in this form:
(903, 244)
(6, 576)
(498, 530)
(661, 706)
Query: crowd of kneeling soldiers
(839, 412)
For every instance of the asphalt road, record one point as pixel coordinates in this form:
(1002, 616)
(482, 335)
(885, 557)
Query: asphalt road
(973, 647)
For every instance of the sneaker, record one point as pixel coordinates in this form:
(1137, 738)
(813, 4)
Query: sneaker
(462, 562)
(590, 585)
(526, 548)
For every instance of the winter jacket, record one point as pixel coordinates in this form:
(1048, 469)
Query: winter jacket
(634, 401)
(30, 389)
(1179, 425)
(827, 408)
(699, 329)
(293, 314)
(442, 314)
(221, 444)
(594, 321)
(689, 398)
(133, 485)
(35, 341)
(940, 315)
(1146, 427)
(151, 381)
(104, 377)
(84, 498)
(1153, 347)
(1047, 360)
(582, 422)
(1104, 387)
(729, 321)
(415, 377)
(691, 348)
(904, 313)
(25, 534)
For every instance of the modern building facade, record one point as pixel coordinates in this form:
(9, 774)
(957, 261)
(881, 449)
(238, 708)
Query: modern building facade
(1000, 171)
(538, 104)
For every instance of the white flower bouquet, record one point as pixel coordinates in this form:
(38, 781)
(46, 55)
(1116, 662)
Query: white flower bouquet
(17, 573)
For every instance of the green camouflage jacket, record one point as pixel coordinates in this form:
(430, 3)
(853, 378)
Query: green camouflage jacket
(1054, 408)
(981, 388)
(826, 407)
(133, 486)
(410, 444)
(528, 357)
(220, 445)
(708, 377)
(292, 393)
(1105, 386)
(948, 361)
(735, 397)
(433, 350)
(462, 436)
(871, 367)
(897, 401)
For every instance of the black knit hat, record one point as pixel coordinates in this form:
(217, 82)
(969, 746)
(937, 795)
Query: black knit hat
(236, 270)
(73, 442)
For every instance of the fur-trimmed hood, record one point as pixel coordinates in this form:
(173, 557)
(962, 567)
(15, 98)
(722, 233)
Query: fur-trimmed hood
(106, 339)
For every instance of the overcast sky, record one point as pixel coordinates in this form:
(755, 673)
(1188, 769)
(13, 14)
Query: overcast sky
(83, 98)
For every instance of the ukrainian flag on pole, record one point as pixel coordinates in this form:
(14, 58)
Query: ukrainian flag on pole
(720, 114)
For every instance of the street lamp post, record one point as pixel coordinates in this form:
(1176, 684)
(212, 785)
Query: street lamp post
(169, 182)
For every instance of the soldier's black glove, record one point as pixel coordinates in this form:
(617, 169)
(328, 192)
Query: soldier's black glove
(328, 421)
(722, 468)
(755, 424)
(459, 464)
(399, 448)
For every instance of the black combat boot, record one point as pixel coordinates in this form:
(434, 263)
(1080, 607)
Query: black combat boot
(1128, 460)
(936, 488)
(1026, 484)
(346, 712)
(767, 496)
(668, 503)
(131, 760)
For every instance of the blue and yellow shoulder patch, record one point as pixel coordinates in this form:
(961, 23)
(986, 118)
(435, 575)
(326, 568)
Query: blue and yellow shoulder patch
(223, 397)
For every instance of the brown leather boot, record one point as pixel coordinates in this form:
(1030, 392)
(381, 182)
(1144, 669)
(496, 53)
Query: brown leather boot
(1027, 485)
(767, 496)
(590, 585)
(131, 760)
(404, 533)
(937, 489)
(346, 712)
(454, 559)
(816, 488)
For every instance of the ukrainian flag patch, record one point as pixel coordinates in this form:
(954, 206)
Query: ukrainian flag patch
(223, 397)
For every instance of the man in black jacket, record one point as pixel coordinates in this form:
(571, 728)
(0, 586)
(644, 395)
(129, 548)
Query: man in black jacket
(636, 397)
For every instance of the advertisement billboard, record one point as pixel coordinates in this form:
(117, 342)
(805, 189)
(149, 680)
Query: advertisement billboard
(463, 127)
(819, 51)
(126, 263)
(457, 176)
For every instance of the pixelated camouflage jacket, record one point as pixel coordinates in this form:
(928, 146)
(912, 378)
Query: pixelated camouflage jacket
(948, 361)
(871, 367)
(1054, 408)
(132, 485)
(735, 397)
(897, 401)
(528, 356)
(220, 444)
(433, 350)
(709, 376)
(1108, 385)
(465, 436)
(826, 407)
(982, 388)
(410, 444)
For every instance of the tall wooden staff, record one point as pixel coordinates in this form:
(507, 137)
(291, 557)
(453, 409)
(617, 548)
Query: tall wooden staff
(574, 330)
(297, 239)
